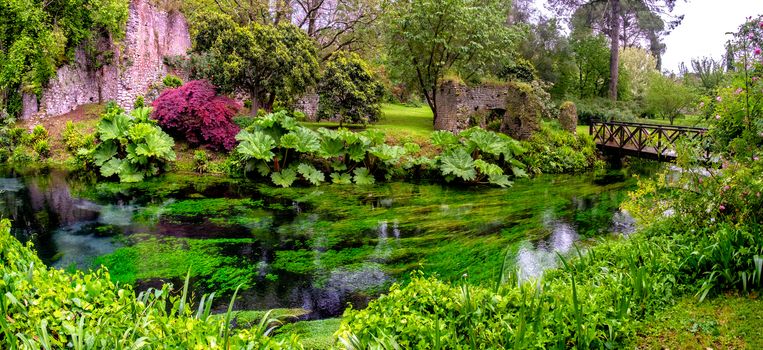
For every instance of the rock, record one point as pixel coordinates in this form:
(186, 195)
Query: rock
(523, 112)
(568, 117)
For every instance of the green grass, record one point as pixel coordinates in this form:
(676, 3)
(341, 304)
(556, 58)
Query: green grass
(726, 322)
(397, 120)
(313, 334)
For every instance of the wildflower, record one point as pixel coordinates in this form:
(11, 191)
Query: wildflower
(738, 91)
(755, 158)
(717, 117)
(757, 51)
(701, 105)
(726, 188)
(722, 207)
(465, 275)
(719, 99)
(757, 195)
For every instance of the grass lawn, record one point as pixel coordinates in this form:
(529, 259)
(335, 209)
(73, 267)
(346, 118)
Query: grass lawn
(397, 121)
(313, 334)
(725, 322)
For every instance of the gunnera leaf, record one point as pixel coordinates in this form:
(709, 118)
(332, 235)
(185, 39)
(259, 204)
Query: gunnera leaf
(363, 177)
(284, 178)
(459, 163)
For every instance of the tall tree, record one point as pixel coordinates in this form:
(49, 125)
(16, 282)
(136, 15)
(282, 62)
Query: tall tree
(263, 60)
(623, 21)
(429, 38)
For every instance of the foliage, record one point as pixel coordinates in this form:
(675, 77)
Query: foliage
(666, 97)
(92, 311)
(276, 146)
(592, 59)
(349, 90)
(428, 39)
(638, 65)
(131, 147)
(79, 143)
(266, 61)
(553, 150)
(36, 37)
(17, 146)
(172, 81)
(200, 161)
(196, 112)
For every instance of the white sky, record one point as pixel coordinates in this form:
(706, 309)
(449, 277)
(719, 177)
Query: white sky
(702, 32)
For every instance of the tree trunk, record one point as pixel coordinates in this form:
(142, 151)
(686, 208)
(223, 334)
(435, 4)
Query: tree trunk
(254, 95)
(614, 54)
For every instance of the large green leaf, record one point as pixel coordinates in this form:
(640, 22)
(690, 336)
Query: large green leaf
(158, 145)
(444, 139)
(363, 177)
(458, 162)
(114, 127)
(131, 173)
(112, 167)
(256, 144)
(302, 140)
(311, 174)
(357, 152)
(485, 141)
(339, 178)
(488, 168)
(500, 180)
(331, 147)
(284, 178)
(387, 154)
(104, 152)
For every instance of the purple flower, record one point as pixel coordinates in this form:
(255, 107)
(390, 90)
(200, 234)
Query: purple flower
(738, 91)
(755, 158)
(701, 105)
(757, 51)
(726, 188)
(722, 207)
(717, 117)
(719, 99)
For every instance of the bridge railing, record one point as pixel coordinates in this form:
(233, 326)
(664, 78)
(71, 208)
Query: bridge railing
(642, 139)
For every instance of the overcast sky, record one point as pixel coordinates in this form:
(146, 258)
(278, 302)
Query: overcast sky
(702, 32)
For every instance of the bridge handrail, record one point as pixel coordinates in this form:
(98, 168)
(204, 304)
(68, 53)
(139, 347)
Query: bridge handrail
(661, 126)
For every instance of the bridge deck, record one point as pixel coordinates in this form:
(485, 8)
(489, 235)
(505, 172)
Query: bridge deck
(652, 141)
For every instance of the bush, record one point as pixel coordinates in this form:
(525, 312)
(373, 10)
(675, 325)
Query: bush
(131, 147)
(195, 111)
(200, 161)
(349, 90)
(172, 81)
(553, 150)
(42, 148)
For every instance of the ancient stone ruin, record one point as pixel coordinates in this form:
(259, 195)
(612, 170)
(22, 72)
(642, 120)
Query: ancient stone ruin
(460, 106)
(568, 117)
(128, 70)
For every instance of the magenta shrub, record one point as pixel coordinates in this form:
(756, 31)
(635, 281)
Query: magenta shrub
(195, 111)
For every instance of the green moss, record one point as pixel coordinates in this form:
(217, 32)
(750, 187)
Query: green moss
(169, 257)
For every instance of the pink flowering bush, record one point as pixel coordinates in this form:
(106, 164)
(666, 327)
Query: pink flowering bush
(196, 112)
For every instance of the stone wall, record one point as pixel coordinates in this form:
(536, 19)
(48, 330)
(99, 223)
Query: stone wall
(308, 104)
(458, 104)
(138, 62)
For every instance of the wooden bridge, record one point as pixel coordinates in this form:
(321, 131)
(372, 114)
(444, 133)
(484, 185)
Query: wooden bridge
(652, 141)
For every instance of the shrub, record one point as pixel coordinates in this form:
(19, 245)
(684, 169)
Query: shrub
(552, 150)
(200, 161)
(196, 112)
(172, 81)
(131, 147)
(42, 148)
(348, 90)
(140, 102)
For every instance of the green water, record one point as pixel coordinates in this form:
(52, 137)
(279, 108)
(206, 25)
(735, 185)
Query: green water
(316, 248)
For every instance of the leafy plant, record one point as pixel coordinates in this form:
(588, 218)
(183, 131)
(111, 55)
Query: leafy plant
(131, 147)
(172, 81)
(196, 112)
(348, 90)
